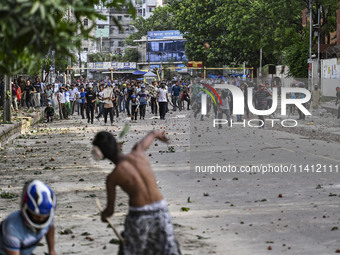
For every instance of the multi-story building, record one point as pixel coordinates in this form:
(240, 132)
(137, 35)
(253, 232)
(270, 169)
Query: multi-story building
(145, 8)
(110, 38)
(102, 30)
(118, 34)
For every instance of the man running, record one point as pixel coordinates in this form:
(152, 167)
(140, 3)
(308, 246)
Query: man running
(148, 227)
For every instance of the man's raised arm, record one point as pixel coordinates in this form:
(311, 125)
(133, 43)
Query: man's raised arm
(148, 140)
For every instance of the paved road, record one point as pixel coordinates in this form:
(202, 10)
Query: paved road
(229, 213)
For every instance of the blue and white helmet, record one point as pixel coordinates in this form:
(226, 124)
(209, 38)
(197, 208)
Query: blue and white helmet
(38, 199)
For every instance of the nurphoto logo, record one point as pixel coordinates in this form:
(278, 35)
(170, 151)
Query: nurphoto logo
(238, 105)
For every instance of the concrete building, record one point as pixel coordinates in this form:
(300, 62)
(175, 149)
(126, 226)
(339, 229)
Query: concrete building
(145, 8)
(110, 38)
(118, 35)
(161, 48)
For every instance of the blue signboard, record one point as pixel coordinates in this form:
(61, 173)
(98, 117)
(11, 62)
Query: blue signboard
(164, 34)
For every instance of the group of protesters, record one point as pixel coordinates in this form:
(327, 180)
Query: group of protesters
(98, 99)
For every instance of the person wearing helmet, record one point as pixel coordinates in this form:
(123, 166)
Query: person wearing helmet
(23, 229)
(134, 107)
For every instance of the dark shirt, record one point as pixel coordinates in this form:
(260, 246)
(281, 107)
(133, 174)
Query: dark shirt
(129, 92)
(261, 99)
(49, 111)
(37, 87)
(90, 96)
(29, 89)
(14, 89)
(176, 90)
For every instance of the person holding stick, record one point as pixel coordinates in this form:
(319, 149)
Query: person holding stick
(148, 227)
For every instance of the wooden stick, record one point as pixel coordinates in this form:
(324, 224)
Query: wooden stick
(110, 223)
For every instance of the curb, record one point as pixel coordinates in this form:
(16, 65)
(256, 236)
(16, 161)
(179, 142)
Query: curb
(11, 131)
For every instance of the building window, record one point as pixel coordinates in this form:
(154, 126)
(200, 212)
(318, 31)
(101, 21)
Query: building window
(86, 22)
(126, 16)
(121, 44)
(100, 26)
(143, 12)
(112, 44)
(144, 1)
(119, 18)
(150, 9)
(112, 31)
(121, 31)
(85, 49)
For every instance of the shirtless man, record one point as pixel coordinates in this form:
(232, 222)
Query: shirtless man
(148, 227)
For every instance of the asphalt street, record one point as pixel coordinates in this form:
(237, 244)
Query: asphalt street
(213, 213)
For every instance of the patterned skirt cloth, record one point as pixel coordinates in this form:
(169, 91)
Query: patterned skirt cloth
(149, 231)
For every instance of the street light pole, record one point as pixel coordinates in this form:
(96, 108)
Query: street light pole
(310, 46)
(319, 64)
(260, 71)
(7, 94)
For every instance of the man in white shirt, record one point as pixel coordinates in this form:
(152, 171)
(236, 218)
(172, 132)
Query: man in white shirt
(107, 97)
(162, 96)
(61, 101)
(73, 97)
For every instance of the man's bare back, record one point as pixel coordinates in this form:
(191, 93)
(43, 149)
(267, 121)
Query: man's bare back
(148, 227)
(134, 175)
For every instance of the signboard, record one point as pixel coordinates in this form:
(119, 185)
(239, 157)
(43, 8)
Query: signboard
(169, 34)
(196, 64)
(99, 65)
(115, 65)
(183, 68)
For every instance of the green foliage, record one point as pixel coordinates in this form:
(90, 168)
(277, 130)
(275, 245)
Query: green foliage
(30, 28)
(236, 30)
(130, 55)
(161, 19)
(296, 56)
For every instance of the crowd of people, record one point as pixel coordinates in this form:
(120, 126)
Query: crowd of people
(91, 99)
(100, 99)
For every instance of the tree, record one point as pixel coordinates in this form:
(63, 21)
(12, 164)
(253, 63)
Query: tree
(131, 55)
(30, 28)
(236, 30)
(162, 19)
